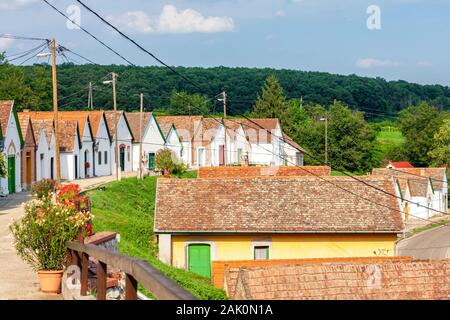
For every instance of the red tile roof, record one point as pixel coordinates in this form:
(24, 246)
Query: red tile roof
(187, 127)
(390, 280)
(260, 171)
(6, 107)
(295, 204)
(401, 164)
(46, 125)
(134, 122)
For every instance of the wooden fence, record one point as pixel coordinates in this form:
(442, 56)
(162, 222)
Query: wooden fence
(136, 271)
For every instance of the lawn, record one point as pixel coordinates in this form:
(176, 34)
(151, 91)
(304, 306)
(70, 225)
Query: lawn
(127, 207)
(388, 140)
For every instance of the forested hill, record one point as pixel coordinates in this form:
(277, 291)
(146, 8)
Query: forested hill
(372, 95)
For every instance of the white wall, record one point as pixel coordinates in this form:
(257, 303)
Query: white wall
(152, 142)
(125, 139)
(104, 145)
(12, 149)
(173, 143)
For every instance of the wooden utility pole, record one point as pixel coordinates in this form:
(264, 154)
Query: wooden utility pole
(140, 136)
(55, 111)
(224, 99)
(326, 140)
(114, 79)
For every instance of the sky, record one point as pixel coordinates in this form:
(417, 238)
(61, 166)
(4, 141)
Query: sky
(396, 39)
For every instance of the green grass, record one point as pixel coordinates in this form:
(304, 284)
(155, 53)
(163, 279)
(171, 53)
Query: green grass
(188, 174)
(127, 207)
(427, 227)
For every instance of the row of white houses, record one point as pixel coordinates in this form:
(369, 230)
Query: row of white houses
(87, 143)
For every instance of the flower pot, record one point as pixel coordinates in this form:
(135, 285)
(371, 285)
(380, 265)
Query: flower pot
(50, 280)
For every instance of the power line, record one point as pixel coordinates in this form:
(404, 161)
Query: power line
(90, 34)
(197, 86)
(10, 36)
(417, 175)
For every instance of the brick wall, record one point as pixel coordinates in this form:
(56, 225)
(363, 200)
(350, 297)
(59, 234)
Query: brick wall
(256, 171)
(218, 267)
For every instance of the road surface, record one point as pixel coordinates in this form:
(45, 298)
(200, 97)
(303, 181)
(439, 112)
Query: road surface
(431, 244)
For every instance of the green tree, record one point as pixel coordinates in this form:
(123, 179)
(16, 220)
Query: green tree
(419, 125)
(3, 168)
(183, 103)
(440, 152)
(272, 102)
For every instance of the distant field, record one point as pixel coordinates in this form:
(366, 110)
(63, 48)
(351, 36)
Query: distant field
(391, 138)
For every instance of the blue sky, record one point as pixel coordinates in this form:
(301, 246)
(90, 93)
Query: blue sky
(312, 35)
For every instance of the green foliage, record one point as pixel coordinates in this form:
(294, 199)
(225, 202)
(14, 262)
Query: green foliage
(272, 102)
(390, 145)
(419, 124)
(164, 160)
(241, 84)
(3, 167)
(183, 103)
(41, 235)
(42, 188)
(127, 207)
(440, 152)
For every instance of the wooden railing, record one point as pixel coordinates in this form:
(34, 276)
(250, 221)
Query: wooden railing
(136, 271)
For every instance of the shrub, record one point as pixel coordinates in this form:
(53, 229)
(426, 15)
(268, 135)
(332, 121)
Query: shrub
(164, 160)
(43, 188)
(3, 168)
(41, 235)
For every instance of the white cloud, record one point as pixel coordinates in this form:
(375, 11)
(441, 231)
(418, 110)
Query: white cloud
(5, 43)
(14, 4)
(280, 13)
(424, 63)
(366, 63)
(173, 21)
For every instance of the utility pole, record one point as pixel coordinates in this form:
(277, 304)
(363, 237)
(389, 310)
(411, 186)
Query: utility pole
(140, 136)
(90, 97)
(325, 118)
(224, 99)
(116, 144)
(55, 111)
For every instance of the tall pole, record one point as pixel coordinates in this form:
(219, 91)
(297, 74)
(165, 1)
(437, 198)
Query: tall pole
(90, 97)
(326, 140)
(114, 78)
(55, 111)
(224, 99)
(140, 136)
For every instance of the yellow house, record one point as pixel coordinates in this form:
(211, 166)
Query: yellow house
(198, 221)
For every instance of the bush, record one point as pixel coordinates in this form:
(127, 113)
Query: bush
(41, 235)
(3, 168)
(43, 188)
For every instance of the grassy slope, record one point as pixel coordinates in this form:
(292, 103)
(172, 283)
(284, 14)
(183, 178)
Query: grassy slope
(127, 207)
(388, 140)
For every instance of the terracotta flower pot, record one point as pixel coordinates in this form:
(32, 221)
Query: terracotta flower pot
(50, 281)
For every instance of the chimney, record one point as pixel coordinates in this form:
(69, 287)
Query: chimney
(26, 110)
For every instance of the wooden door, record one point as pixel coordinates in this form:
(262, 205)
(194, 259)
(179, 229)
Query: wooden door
(28, 177)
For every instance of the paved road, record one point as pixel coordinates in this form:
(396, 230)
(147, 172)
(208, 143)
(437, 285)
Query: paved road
(432, 244)
(17, 280)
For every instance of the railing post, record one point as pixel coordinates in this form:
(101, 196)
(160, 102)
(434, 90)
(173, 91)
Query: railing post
(101, 281)
(130, 287)
(84, 273)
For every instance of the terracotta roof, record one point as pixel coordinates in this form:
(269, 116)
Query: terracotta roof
(25, 123)
(258, 171)
(47, 125)
(5, 111)
(67, 135)
(294, 204)
(390, 280)
(257, 130)
(186, 126)
(134, 119)
(209, 128)
(165, 128)
(109, 115)
(401, 164)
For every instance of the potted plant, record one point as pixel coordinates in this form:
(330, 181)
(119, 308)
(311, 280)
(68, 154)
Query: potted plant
(41, 235)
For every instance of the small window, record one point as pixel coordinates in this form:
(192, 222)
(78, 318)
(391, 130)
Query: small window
(106, 157)
(99, 158)
(42, 156)
(261, 253)
(128, 153)
(299, 159)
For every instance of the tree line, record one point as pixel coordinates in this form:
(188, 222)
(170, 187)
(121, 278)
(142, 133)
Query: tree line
(30, 86)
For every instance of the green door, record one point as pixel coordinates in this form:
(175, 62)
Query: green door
(200, 259)
(11, 174)
(151, 161)
(122, 159)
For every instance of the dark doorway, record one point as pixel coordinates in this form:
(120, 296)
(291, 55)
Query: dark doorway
(52, 176)
(76, 167)
(122, 159)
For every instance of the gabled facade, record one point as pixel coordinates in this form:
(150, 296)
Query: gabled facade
(45, 152)
(125, 140)
(153, 139)
(174, 143)
(11, 141)
(28, 154)
(102, 144)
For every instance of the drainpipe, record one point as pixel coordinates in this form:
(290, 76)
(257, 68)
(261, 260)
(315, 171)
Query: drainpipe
(93, 159)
